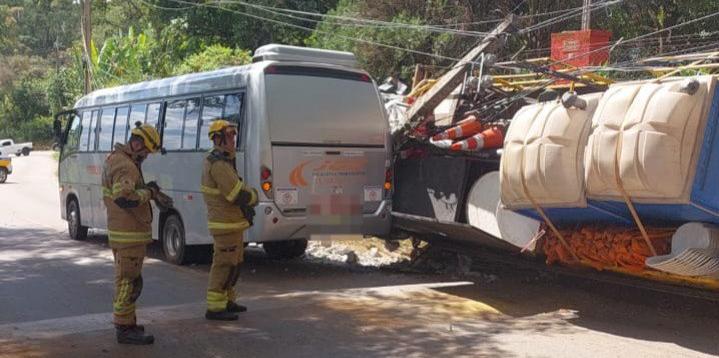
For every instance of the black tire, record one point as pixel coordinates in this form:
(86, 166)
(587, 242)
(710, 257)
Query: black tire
(3, 175)
(26, 151)
(74, 224)
(173, 240)
(18, 153)
(285, 250)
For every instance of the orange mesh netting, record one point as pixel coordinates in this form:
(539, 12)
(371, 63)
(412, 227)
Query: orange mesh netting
(606, 247)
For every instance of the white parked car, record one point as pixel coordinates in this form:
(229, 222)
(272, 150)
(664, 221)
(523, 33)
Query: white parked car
(8, 146)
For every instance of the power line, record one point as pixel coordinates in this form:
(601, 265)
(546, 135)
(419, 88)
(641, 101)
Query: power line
(390, 25)
(604, 4)
(574, 13)
(637, 38)
(517, 7)
(312, 30)
(353, 21)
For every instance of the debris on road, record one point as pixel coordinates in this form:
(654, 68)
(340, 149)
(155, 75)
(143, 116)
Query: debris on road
(361, 252)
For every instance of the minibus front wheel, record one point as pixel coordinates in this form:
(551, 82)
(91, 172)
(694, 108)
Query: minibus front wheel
(74, 224)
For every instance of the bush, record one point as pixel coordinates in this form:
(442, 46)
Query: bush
(212, 58)
(38, 129)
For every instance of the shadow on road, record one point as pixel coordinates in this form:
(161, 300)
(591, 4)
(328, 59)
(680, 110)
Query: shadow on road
(301, 309)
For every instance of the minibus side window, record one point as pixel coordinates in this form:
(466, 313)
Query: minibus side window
(172, 132)
(93, 130)
(85, 131)
(121, 126)
(212, 107)
(192, 115)
(233, 111)
(73, 136)
(153, 114)
(137, 114)
(107, 122)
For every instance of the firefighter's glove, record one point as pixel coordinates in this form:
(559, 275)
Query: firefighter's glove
(247, 197)
(154, 188)
(162, 201)
(249, 213)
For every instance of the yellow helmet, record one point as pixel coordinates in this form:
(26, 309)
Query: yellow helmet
(149, 135)
(219, 126)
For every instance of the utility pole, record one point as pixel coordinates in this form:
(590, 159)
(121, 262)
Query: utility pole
(586, 15)
(86, 28)
(426, 103)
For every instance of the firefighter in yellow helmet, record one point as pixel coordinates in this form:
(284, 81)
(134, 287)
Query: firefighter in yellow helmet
(129, 225)
(230, 204)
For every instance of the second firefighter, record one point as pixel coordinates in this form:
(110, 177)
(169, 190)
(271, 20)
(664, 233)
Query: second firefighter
(230, 210)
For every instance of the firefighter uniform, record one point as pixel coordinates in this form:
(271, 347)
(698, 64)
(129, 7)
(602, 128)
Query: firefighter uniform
(129, 223)
(226, 196)
(129, 230)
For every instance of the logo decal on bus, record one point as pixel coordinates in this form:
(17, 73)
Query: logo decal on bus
(341, 167)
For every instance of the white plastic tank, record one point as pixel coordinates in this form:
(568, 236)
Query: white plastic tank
(544, 149)
(652, 132)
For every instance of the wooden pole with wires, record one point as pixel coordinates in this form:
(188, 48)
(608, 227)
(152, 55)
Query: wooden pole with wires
(86, 28)
(586, 15)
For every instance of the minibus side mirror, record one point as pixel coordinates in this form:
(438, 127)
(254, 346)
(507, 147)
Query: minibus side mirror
(57, 129)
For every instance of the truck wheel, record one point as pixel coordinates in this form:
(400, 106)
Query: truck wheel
(285, 250)
(26, 151)
(74, 226)
(173, 240)
(3, 175)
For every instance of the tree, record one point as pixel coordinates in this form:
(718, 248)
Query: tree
(212, 58)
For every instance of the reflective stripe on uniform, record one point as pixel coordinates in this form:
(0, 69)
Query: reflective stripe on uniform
(216, 301)
(208, 190)
(126, 236)
(144, 194)
(116, 191)
(235, 190)
(121, 306)
(220, 226)
(253, 197)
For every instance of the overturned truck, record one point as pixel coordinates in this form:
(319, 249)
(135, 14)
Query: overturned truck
(617, 177)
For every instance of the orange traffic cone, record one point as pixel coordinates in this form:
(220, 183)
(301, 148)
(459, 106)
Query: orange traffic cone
(465, 128)
(490, 138)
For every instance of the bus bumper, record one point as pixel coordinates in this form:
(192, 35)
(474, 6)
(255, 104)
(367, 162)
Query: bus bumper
(272, 225)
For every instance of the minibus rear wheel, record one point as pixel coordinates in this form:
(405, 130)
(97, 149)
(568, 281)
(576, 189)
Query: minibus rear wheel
(285, 250)
(173, 240)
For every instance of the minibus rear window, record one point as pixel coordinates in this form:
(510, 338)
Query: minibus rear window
(316, 72)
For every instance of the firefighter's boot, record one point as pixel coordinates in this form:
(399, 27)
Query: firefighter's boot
(221, 316)
(133, 335)
(235, 308)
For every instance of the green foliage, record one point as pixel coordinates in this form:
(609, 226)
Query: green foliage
(214, 57)
(385, 61)
(41, 51)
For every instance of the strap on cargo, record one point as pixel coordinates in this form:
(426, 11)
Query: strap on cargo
(625, 196)
(545, 217)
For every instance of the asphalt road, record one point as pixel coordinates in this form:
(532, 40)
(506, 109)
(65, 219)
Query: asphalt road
(55, 301)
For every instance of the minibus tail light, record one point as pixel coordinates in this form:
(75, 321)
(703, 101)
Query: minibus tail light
(265, 173)
(271, 70)
(266, 177)
(388, 179)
